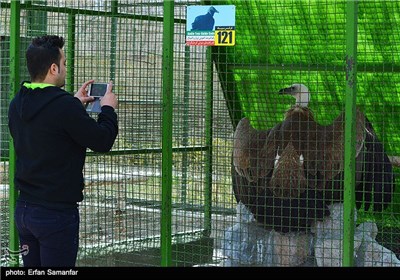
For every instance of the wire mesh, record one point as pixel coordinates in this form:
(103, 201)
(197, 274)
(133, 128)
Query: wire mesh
(278, 43)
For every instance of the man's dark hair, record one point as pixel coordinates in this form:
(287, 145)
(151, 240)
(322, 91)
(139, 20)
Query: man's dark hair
(42, 53)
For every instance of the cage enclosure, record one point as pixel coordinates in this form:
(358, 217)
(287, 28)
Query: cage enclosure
(170, 192)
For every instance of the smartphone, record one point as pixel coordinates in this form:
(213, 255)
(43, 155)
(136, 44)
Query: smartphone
(97, 90)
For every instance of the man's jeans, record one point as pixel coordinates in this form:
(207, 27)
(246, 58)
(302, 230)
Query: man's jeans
(48, 237)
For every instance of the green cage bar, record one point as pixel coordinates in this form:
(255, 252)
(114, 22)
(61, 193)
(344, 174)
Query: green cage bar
(350, 113)
(15, 82)
(168, 92)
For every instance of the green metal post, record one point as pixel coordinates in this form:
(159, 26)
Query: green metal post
(185, 113)
(167, 68)
(350, 114)
(208, 154)
(114, 30)
(71, 53)
(15, 83)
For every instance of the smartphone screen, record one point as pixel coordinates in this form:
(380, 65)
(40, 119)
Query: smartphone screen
(98, 89)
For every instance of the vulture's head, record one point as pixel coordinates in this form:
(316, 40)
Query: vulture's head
(212, 10)
(299, 92)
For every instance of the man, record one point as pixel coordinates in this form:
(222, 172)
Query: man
(51, 131)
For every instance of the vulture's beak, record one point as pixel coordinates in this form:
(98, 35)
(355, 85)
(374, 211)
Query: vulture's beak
(287, 90)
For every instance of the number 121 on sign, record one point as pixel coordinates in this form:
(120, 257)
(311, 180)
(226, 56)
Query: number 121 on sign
(224, 37)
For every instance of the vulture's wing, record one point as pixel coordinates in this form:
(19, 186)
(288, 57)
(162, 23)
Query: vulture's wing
(375, 179)
(250, 157)
(330, 147)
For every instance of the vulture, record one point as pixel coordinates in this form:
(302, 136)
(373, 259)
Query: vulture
(287, 176)
(205, 22)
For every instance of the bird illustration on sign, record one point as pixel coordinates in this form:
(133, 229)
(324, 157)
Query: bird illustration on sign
(206, 21)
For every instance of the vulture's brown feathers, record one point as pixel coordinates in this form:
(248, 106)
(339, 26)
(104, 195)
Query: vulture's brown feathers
(288, 175)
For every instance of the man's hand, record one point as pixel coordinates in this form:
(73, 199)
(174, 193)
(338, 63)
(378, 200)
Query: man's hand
(109, 98)
(82, 93)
